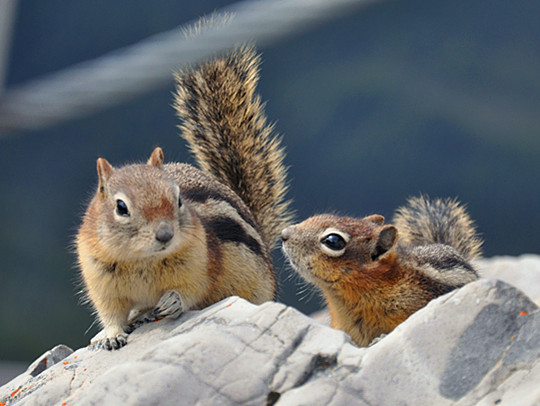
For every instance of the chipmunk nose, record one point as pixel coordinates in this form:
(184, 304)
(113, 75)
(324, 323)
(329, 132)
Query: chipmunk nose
(286, 234)
(164, 233)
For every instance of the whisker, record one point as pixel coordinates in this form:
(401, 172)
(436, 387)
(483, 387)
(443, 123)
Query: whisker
(89, 328)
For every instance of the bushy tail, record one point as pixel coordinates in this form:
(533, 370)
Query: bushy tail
(224, 123)
(425, 221)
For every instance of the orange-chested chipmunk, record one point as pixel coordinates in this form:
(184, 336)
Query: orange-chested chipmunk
(164, 238)
(370, 282)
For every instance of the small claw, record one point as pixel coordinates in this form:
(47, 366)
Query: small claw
(133, 326)
(110, 343)
(119, 341)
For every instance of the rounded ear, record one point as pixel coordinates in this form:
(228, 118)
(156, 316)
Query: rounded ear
(104, 170)
(375, 218)
(385, 241)
(156, 159)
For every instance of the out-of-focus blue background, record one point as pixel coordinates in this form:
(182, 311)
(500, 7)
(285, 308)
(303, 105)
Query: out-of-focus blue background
(396, 99)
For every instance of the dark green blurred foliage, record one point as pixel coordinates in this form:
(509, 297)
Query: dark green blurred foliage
(400, 98)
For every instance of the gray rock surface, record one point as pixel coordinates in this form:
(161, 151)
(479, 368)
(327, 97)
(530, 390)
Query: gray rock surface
(479, 345)
(523, 272)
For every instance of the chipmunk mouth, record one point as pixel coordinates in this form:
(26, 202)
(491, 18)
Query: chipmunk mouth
(302, 268)
(164, 249)
(154, 249)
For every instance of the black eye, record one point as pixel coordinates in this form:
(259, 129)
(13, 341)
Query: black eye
(121, 208)
(334, 241)
(179, 200)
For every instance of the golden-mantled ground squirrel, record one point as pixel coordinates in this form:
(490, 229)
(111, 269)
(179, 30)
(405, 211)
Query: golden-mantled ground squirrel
(164, 238)
(370, 282)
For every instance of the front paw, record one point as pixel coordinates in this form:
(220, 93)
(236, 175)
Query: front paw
(110, 343)
(170, 306)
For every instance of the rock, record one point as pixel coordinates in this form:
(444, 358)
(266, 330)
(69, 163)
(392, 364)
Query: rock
(48, 359)
(523, 272)
(479, 345)
(45, 361)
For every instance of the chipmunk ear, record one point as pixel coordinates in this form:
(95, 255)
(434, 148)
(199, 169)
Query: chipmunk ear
(104, 170)
(385, 241)
(375, 218)
(156, 159)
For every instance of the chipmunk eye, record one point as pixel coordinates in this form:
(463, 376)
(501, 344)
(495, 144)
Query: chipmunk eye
(334, 242)
(121, 208)
(179, 200)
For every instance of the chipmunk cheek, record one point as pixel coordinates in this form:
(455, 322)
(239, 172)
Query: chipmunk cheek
(324, 272)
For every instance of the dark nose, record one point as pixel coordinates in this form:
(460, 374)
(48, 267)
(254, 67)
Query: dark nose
(286, 234)
(164, 233)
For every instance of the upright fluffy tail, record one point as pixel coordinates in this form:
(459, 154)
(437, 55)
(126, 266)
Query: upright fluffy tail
(425, 221)
(224, 123)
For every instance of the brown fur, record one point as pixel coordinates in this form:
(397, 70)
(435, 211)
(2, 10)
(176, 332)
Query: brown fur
(215, 226)
(164, 210)
(371, 285)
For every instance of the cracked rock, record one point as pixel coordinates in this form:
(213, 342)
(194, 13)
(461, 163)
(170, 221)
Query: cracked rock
(479, 345)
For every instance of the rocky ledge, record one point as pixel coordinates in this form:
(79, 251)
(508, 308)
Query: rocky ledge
(479, 345)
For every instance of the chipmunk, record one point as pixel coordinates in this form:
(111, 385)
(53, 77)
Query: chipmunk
(369, 280)
(164, 238)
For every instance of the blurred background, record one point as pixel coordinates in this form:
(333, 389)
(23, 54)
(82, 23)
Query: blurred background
(376, 103)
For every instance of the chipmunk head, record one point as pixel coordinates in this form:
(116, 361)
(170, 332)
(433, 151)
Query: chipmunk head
(140, 211)
(327, 249)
